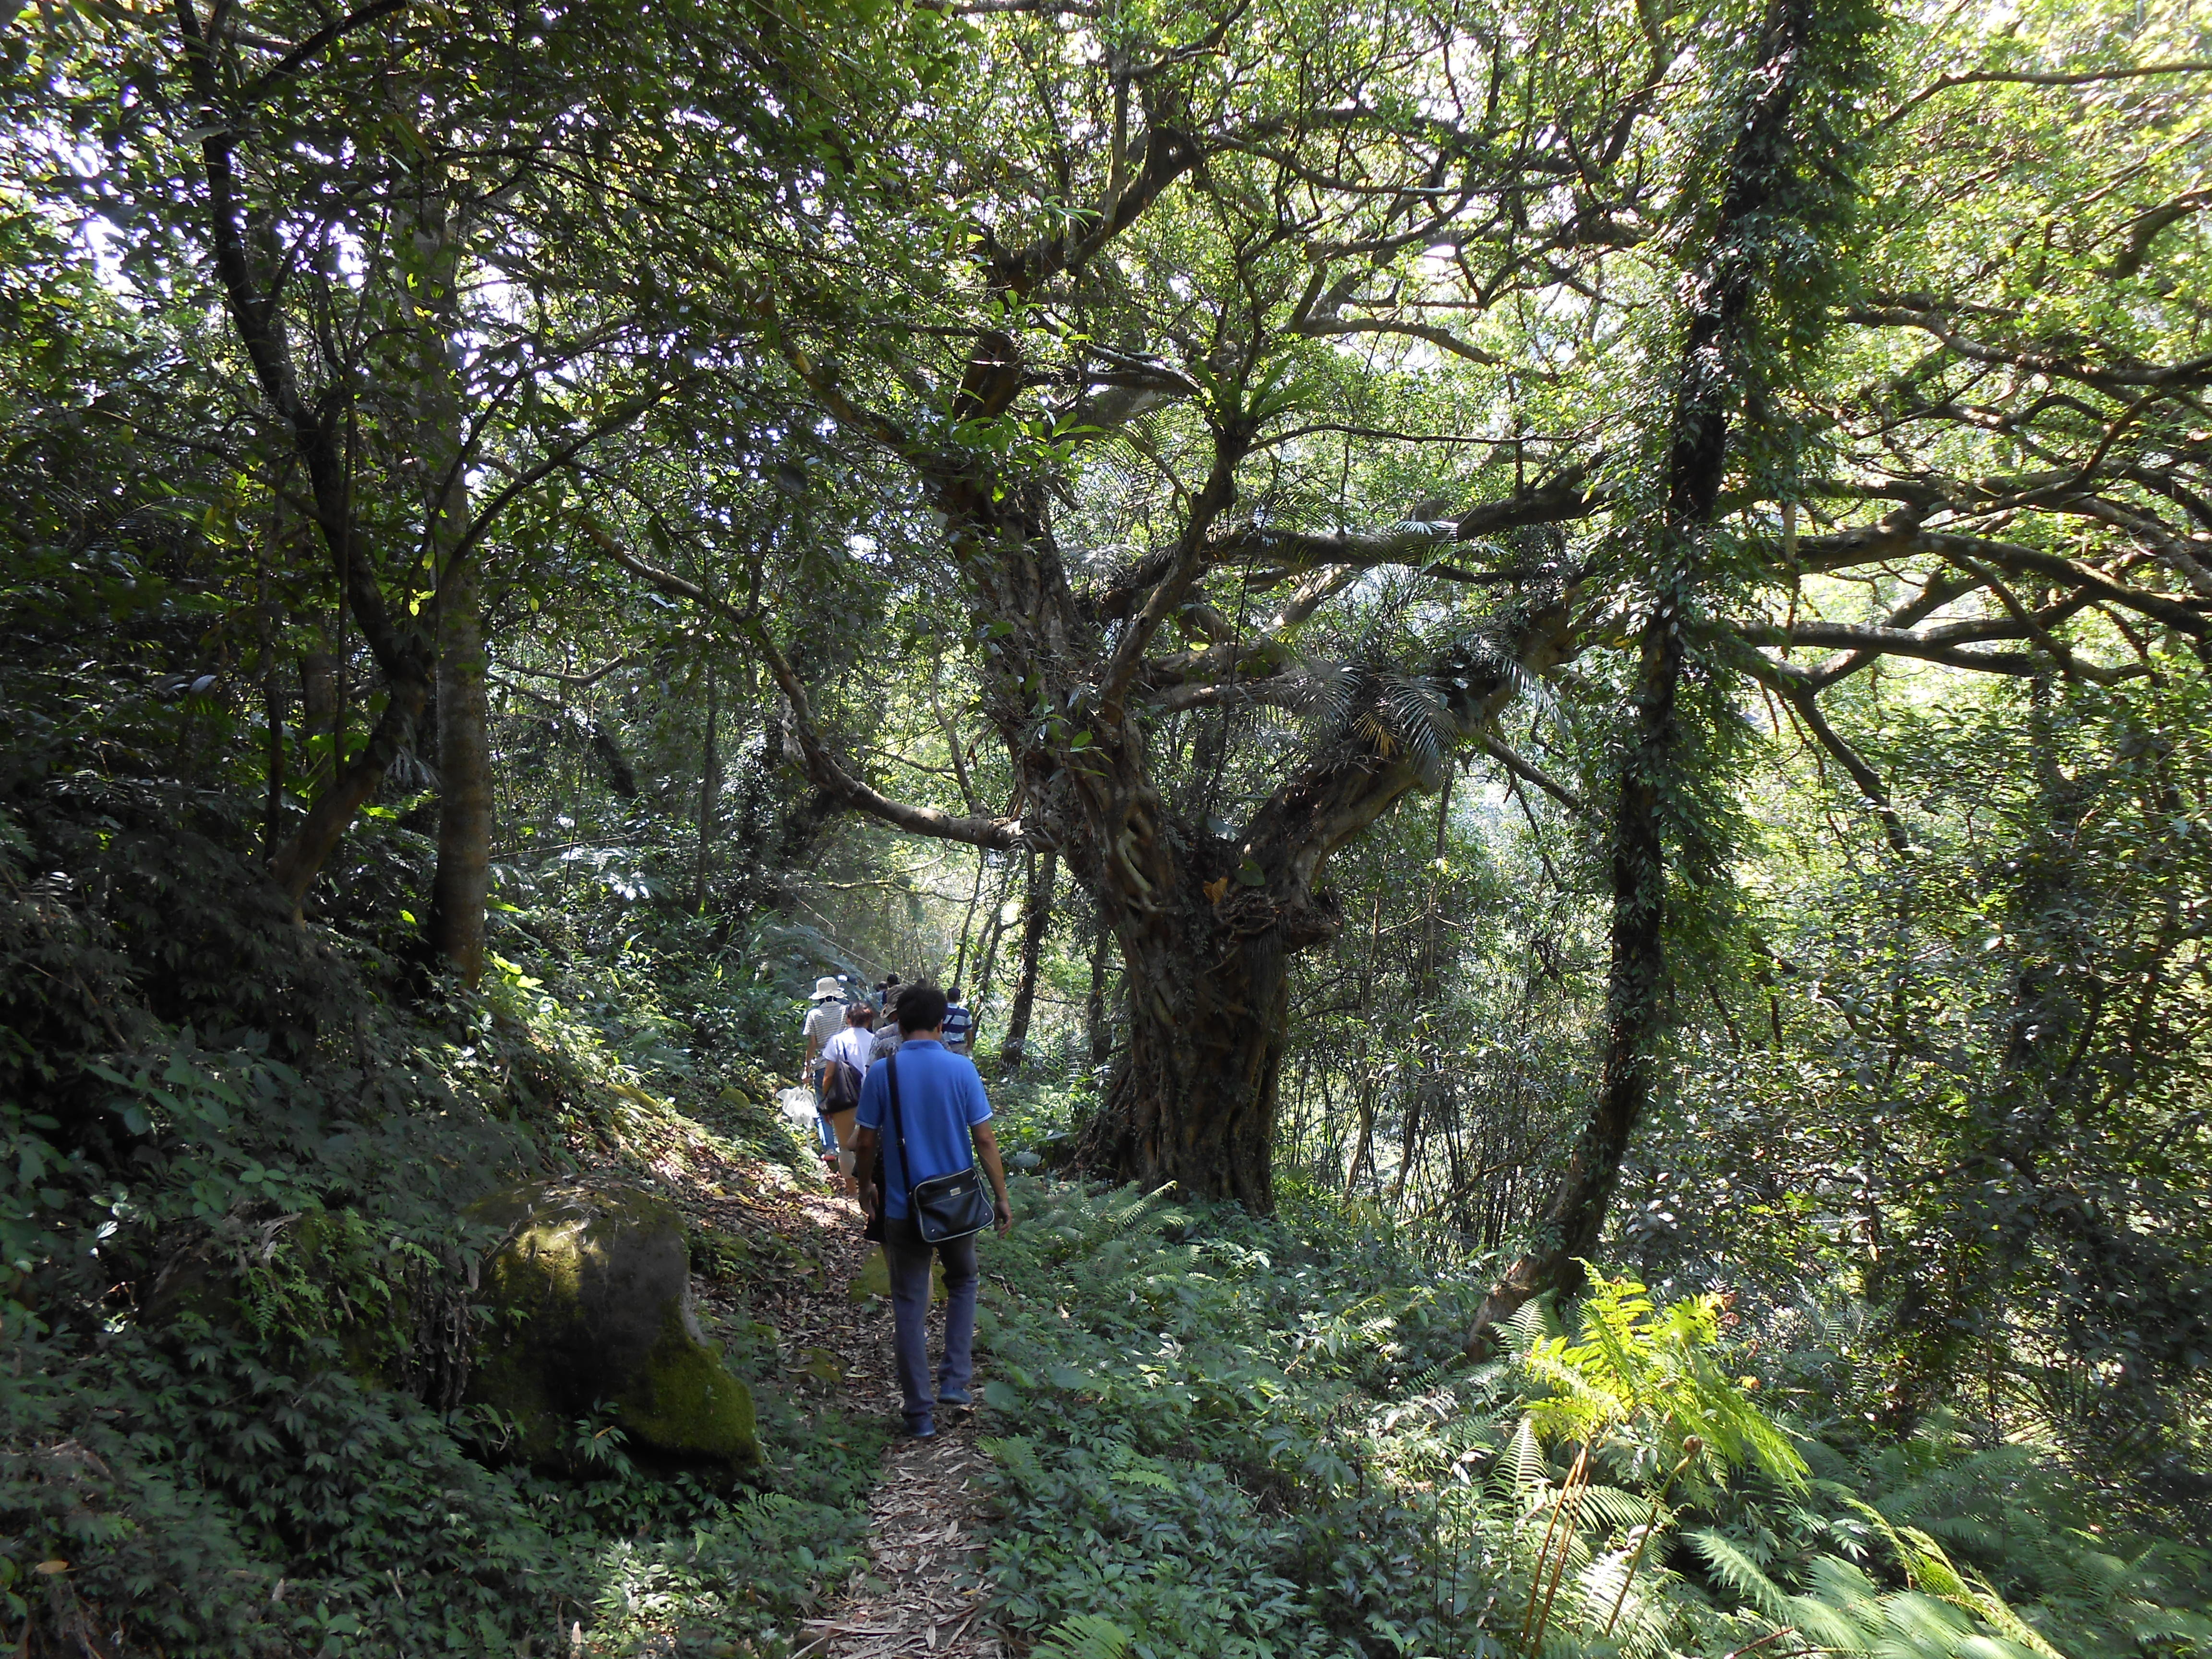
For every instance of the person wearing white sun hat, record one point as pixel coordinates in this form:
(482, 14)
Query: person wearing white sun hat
(823, 1021)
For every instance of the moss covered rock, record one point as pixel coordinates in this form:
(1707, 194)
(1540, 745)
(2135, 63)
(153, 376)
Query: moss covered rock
(592, 1299)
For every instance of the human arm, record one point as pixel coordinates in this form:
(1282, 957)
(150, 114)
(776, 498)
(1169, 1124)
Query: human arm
(986, 1154)
(868, 1122)
(864, 1168)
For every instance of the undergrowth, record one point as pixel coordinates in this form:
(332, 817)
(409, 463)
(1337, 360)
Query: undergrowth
(233, 1308)
(1214, 1434)
(1218, 1436)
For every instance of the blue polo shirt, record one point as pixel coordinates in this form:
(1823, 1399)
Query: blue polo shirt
(940, 1097)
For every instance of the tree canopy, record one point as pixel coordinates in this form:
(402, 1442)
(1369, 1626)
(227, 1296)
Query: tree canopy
(1579, 629)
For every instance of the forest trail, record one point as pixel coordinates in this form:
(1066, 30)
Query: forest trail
(921, 1594)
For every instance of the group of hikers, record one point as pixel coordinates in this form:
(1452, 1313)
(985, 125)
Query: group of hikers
(905, 1124)
(845, 1035)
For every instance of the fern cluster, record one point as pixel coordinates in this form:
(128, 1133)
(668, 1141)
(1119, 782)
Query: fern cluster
(1221, 1436)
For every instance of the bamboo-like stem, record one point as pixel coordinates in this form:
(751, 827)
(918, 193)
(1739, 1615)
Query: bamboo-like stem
(1559, 1568)
(1544, 1550)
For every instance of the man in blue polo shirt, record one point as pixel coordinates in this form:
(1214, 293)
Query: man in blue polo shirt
(945, 1123)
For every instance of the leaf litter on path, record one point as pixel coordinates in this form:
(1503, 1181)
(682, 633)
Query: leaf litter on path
(927, 1526)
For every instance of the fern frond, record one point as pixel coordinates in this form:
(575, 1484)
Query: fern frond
(1741, 1573)
(1841, 1608)
(1613, 1510)
(1924, 1627)
(1085, 1636)
(1520, 1472)
(1531, 1322)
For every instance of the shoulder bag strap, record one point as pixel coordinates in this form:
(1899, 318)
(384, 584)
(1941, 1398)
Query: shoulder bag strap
(898, 1129)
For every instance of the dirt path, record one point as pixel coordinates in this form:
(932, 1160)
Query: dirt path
(921, 1594)
(927, 1531)
(925, 1535)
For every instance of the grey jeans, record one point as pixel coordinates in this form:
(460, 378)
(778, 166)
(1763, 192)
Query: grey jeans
(907, 1255)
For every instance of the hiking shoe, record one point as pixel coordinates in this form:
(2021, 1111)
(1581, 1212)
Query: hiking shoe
(956, 1398)
(919, 1432)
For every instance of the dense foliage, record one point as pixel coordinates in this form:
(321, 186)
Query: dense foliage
(1490, 641)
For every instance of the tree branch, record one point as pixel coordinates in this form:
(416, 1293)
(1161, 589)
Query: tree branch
(1443, 338)
(822, 769)
(1212, 500)
(1930, 320)
(1898, 642)
(1890, 541)
(296, 59)
(591, 679)
(1528, 772)
(2031, 78)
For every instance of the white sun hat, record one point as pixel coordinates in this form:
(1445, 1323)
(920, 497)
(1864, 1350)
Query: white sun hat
(825, 987)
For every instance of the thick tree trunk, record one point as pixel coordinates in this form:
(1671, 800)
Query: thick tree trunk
(1194, 1104)
(1208, 926)
(1035, 927)
(463, 881)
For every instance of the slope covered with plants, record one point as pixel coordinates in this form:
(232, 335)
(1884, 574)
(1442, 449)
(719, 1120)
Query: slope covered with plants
(1543, 669)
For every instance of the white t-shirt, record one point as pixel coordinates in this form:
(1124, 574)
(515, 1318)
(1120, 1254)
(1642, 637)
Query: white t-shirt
(851, 1045)
(824, 1020)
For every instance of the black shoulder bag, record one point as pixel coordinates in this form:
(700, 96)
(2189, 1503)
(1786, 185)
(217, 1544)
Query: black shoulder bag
(944, 1207)
(840, 1087)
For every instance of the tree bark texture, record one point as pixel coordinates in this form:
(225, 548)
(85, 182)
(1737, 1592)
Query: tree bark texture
(1208, 924)
(1035, 925)
(1709, 387)
(463, 880)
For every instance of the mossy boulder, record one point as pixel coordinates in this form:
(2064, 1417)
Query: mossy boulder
(591, 1293)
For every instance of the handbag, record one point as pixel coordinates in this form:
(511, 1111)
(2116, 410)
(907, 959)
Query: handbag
(947, 1206)
(840, 1087)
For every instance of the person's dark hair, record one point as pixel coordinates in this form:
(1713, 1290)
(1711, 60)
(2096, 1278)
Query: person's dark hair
(951, 995)
(921, 1009)
(860, 1013)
